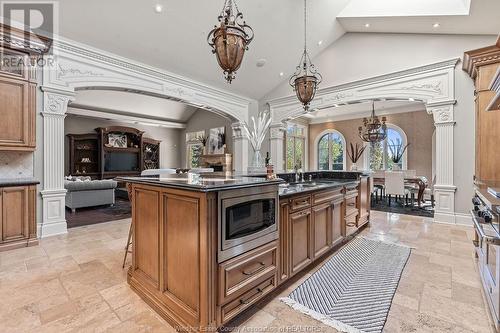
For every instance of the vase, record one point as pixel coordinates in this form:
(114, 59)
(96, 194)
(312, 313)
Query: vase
(395, 167)
(257, 160)
(354, 167)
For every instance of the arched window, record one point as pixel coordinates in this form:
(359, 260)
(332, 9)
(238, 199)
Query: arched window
(381, 153)
(331, 151)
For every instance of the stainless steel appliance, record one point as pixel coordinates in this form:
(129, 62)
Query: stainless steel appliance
(486, 219)
(248, 218)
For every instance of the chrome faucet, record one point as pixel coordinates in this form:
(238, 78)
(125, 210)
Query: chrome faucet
(297, 174)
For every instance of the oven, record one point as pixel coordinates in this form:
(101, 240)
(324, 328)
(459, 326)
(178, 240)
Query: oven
(248, 218)
(487, 245)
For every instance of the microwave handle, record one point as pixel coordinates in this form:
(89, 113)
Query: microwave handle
(485, 238)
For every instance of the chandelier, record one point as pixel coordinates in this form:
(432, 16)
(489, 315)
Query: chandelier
(374, 130)
(230, 39)
(306, 78)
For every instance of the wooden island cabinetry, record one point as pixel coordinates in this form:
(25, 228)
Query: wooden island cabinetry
(177, 266)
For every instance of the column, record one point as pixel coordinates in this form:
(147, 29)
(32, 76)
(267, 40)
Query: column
(240, 148)
(55, 104)
(277, 137)
(444, 189)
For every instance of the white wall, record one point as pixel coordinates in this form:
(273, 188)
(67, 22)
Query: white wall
(203, 120)
(169, 146)
(358, 56)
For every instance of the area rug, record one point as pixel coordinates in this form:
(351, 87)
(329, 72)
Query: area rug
(425, 210)
(92, 215)
(353, 291)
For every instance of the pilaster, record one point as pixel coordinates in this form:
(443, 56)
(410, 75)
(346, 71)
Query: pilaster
(277, 137)
(55, 104)
(444, 189)
(240, 148)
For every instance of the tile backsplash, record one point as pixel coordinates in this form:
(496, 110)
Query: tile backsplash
(16, 164)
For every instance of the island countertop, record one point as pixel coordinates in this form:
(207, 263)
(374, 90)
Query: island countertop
(203, 182)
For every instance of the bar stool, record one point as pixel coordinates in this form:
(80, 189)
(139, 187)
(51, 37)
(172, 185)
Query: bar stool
(131, 229)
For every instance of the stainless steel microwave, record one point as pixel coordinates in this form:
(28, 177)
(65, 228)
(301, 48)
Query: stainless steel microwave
(248, 218)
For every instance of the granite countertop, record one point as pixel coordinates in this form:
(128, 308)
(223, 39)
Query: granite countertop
(202, 183)
(286, 190)
(491, 201)
(9, 182)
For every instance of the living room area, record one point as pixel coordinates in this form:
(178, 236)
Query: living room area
(110, 133)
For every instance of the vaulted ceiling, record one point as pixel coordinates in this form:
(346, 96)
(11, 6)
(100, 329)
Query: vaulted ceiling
(175, 39)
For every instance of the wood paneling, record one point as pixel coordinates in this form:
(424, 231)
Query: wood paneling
(146, 234)
(284, 242)
(338, 228)
(364, 200)
(181, 250)
(17, 217)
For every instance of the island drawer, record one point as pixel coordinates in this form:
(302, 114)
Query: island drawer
(327, 196)
(299, 203)
(238, 275)
(233, 308)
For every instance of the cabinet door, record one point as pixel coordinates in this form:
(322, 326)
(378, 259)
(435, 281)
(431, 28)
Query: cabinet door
(300, 240)
(322, 223)
(17, 104)
(337, 223)
(15, 214)
(364, 200)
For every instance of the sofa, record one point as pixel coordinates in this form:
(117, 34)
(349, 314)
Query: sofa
(89, 193)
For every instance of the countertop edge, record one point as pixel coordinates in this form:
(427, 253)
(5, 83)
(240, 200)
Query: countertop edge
(18, 182)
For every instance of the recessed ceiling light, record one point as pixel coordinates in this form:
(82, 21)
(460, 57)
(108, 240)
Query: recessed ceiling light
(436, 25)
(320, 42)
(281, 74)
(367, 25)
(158, 8)
(261, 62)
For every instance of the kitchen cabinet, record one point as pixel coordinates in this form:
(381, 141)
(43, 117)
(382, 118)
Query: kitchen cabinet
(18, 83)
(322, 218)
(364, 200)
(301, 240)
(17, 217)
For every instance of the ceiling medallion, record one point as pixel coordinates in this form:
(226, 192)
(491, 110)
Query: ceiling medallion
(230, 40)
(374, 130)
(306, 79)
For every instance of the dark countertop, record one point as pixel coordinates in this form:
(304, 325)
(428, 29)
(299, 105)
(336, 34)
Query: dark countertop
(286, 190)
(482, 190)
(10, 182)
(206, 182)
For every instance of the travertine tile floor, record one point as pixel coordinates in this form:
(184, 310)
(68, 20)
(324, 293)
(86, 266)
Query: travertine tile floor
(75, 283)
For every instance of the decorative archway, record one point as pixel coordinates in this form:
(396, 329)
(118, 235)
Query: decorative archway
(432, 84)
(73, 67)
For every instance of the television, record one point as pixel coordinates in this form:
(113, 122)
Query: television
(121, 161)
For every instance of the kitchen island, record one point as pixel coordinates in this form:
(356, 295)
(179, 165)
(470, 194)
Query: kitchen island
(206, 248)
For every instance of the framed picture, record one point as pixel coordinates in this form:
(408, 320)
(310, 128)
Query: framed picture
(117, 140)
(217, 141)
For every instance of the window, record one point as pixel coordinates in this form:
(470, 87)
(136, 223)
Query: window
(331, 151)
(381, 152)
(295, 147)
(194, 149)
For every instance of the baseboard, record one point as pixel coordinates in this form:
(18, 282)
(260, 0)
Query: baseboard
(463, 219)
(455, 219)
(52, 229)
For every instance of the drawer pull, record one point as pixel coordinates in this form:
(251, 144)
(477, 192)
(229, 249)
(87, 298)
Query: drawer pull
(262, 266)
(246, 301)
(302, 202)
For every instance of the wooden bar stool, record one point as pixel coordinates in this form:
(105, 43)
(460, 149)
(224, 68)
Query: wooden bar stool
(131, 229)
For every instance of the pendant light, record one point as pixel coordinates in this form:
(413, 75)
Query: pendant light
(230, 39)
(373, 130)
(306, 79)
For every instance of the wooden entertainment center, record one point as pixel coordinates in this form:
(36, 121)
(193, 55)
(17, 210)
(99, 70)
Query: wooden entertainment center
(112, 151)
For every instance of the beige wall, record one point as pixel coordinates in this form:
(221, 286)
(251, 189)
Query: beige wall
(418, 127)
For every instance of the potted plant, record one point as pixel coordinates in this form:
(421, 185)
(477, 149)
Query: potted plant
(397, 150)
(354, 154)
(256, 135)
(203, 140)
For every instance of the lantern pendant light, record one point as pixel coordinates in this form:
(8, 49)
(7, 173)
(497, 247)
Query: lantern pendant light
(230, 39)
(306, 79)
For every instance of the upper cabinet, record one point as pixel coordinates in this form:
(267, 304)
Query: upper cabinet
(483, 67)
(18, 84)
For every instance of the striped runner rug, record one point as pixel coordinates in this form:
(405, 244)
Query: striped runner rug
(353, 291)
